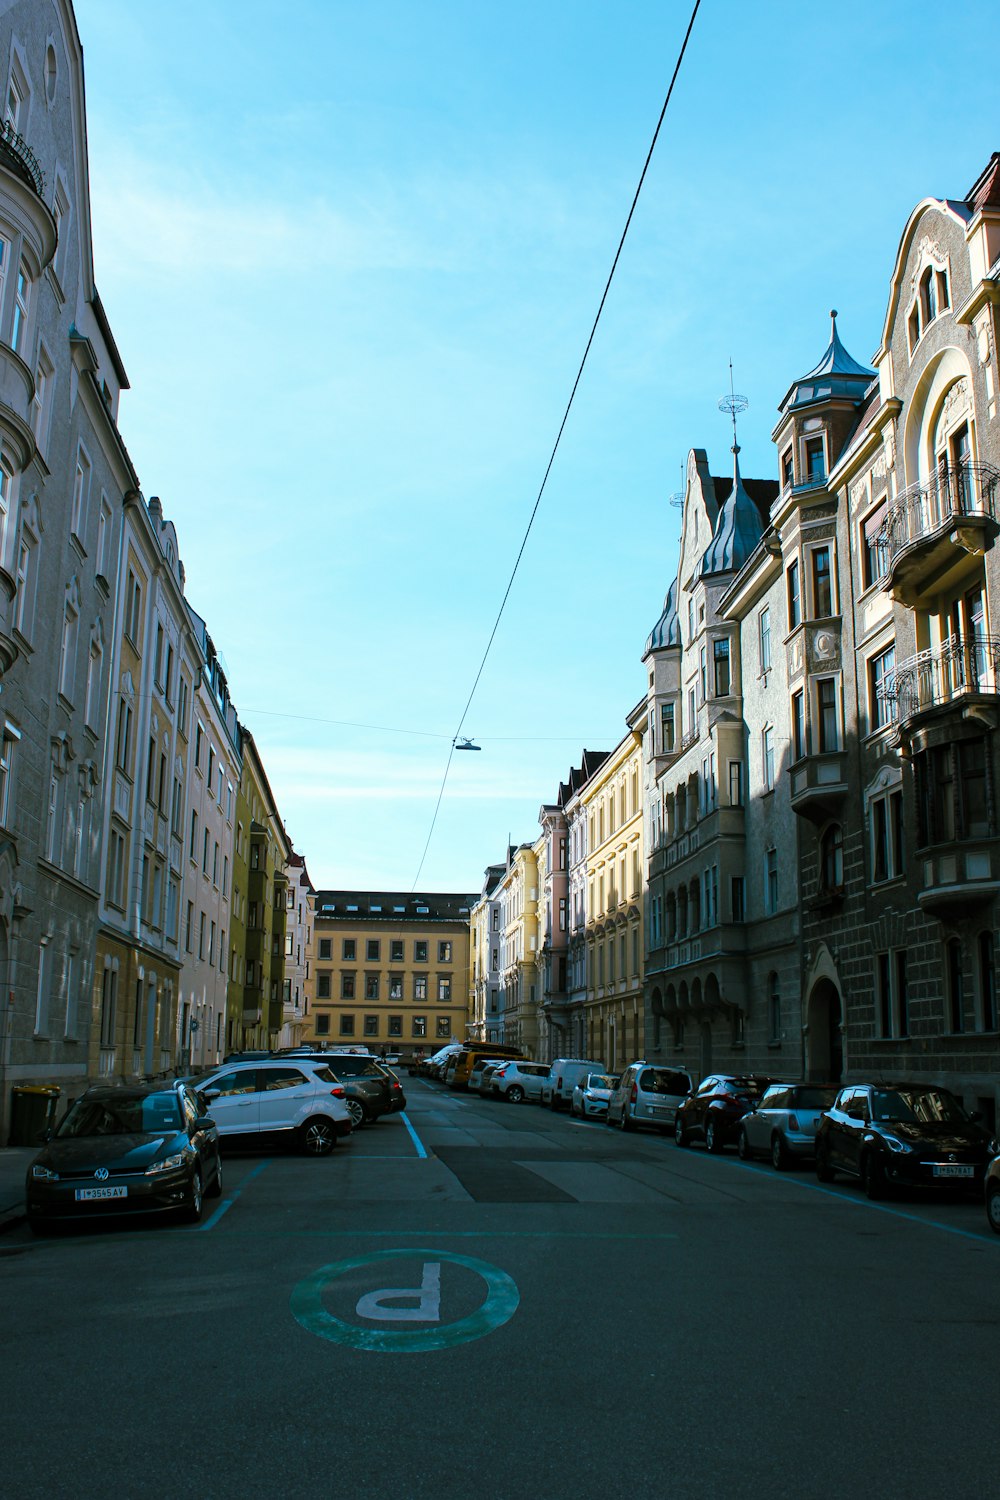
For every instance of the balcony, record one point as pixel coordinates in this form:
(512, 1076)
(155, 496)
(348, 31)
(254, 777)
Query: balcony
(958, 877)
(958, 672)
(818, 785)
(17, 156)
(933, 526)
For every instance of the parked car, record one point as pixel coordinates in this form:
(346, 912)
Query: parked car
(126, 1150)
(459, 1076)
(992, 1189)
(484, 1087)
(476, 1076)
(591, 1094)
(648, 1095)
(516, 1079)
(713, 1112)
(292, 1100)
(564, 1074)
(368, 1087)
(397, 1099)
(783, 1125)
(902, 1134)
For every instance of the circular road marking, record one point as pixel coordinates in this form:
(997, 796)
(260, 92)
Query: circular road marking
(501, 1303)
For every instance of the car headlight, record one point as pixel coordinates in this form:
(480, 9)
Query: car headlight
(993, 1147)
(168, 1164)
(896, 1145)
(44, 1174)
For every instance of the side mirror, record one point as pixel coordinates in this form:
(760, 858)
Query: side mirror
(204, 1122)
(209, 1094)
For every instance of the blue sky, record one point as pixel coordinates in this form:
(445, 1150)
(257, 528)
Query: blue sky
(351, 264)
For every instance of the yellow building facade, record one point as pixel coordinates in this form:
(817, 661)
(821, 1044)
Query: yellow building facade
(612, 802)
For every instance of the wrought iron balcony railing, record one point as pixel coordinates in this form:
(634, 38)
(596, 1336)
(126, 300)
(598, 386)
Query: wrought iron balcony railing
(17, 155)
(953, 493)
(958, 668)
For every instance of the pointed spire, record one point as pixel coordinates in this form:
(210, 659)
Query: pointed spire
(739, 527)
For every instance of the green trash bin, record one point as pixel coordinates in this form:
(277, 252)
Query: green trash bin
(32, 1112)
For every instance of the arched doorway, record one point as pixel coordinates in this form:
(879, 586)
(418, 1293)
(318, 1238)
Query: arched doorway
(824, 1034)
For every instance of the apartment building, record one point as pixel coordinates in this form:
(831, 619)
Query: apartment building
(300, 899)
(485, 1009)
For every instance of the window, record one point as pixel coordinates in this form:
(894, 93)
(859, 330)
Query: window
(371, 986)
(956, 993)
(822, 583)
(22, 297)
(323, 987)
(189, 928)
(53, 831)
(109, 1005)
(442, 1028)
(826, 714)
(702, 681)
(794, 595)
(773, 1009)
(987, 982)
(444, 988)
(737, 897)
(787, 469)
(883, 994)
(420, 987)
(444, 953)
(800, 743)
(396, 951)
(874, 545)
(832, 858)
(419, 953)
(666, 728)
(133, 608)
(10, 738)
(764, 630)
(395, 986)
(815, 460)
(771, 881)
(116, 869)
(67, 650)
(372, 950)
(347, 986)
(95, 661)
(325, 948)
(347, 1025)
(42, 403)
(928, 297)
(322, 1025)
(767, 747)
(395, 1026)
(720, 656)
(348, 951)
(952, 803)
(24, 609)
(886, 822)
(199, 736)
(418, 1025)
(882, 702)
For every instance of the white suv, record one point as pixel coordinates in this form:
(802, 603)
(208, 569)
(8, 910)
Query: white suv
(293, 1099)
(517, 1080)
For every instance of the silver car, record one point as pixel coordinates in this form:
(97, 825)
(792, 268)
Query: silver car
(478, 1069)
(648, 1095)
(516, 1080)
(783, 1126)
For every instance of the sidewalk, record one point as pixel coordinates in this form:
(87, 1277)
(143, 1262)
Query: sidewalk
(13, 1165)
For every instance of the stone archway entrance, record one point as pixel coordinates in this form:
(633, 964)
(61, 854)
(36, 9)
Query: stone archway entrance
(824, 1034)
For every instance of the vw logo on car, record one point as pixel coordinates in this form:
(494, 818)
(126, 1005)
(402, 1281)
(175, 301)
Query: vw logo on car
(101, 1174)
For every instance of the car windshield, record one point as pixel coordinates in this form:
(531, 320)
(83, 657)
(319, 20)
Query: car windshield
(918, 1106)
(813, 1098)
(136, 1114)
(325, 1074)
(600, 1081)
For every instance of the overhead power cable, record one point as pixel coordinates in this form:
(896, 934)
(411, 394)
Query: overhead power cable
(562, 428)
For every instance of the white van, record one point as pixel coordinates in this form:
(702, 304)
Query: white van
(564, 1075)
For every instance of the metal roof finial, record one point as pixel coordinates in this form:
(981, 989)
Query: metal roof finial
(734, 405)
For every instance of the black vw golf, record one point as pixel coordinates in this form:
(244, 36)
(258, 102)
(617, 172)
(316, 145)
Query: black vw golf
(130, 1150)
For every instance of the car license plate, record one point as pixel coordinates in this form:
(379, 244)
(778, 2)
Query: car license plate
(86, 1194)
(951, 1169)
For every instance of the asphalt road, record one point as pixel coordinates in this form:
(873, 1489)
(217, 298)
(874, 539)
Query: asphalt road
(490, 1300)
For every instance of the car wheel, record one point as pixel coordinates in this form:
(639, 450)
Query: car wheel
(993, 1206)
(554, 1105)
(824, 1171)
(627, 1123)
(317, 1136)
(743, 1147)
(873, 1177)
(514, 1094)
(713, 1137)
(779, 1153)
(215, 1191)
(193, 1206)
(680, 1133)
(356, 1110)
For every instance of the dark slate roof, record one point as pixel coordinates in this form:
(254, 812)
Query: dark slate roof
(985, 191)
(836, 375)
(591, 761)
(737, 531)
(392, 906)
(667, 630)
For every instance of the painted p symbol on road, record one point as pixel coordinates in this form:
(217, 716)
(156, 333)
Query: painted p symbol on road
(422, 1303)
(427, 1296)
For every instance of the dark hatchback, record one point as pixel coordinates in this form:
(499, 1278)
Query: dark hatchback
(370, 1089)
(714, 1111)
(902, 1135)
(130, 1150)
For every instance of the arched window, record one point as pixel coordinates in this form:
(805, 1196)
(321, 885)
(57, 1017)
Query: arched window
(928, 298)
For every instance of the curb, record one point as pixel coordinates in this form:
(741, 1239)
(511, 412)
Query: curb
(11, 1217)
